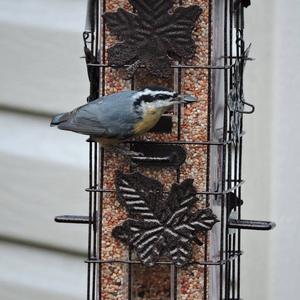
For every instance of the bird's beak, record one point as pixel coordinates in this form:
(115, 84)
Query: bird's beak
(186, 99)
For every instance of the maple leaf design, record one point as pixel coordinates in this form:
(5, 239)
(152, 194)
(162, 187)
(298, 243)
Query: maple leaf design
(159, 225)
(152, 36)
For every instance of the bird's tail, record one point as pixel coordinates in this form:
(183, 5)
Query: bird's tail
(60, 118)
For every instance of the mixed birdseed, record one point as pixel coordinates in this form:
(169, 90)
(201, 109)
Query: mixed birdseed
(155, 283)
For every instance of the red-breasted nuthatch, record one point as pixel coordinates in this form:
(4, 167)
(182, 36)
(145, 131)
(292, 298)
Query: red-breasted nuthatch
(117, 117)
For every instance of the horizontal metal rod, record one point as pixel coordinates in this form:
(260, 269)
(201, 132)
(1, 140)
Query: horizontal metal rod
(251, 224)
(221, 193)
(192, 143)
(241, 57)
(210, 67)
(136, 262)
(208, 143)
(73, 219)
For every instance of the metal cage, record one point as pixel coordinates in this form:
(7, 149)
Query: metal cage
(226, 108)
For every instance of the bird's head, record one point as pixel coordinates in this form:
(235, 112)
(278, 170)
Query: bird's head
(160, 98)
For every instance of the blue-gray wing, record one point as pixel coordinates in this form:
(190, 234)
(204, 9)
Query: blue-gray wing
(111, 116)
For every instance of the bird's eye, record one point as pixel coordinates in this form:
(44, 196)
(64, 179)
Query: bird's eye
(175, 95)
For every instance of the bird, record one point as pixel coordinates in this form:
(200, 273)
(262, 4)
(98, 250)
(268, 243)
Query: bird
(115, 118)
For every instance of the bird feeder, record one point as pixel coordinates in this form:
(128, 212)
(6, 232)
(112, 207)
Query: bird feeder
(167, 224)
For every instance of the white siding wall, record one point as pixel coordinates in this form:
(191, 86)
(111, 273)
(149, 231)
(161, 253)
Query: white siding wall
(285, 171)
(43, 172)
(257, 148)
(40, 49)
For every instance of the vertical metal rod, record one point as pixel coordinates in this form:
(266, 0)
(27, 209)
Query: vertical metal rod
(90, 218)
(95, 182)
(233, 267)
(94, 233)
(95, 36)
(205, 273)
(174, 269)
(177, 86)
(98, 177)
(236, 161)
(101, 51)
(235, 236)
(223, 222)
(241, 11)
(229, 253)
(229, 237)
(97, 28)
(103, 46)
(130, 266)
(100, 214)
(207, 184)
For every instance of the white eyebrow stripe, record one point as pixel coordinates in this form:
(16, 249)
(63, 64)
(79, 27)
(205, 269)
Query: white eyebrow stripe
(151, 93)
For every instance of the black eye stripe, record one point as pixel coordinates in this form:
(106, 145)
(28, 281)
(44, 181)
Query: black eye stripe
(146, 98)
(163, 97)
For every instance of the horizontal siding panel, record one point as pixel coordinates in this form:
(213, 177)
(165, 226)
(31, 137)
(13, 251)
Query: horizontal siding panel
(33, 193)
(43, 72)
(43, 173)
(40, 49)
(30, 274)
(61, 15)
(32, 137)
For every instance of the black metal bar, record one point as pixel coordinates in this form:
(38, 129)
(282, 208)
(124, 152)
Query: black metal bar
(73, 219)
(95, 176)
(240, 142)
(229, 279)
(90, 218)
(194, 143)
(199, 143)
(251, 224)
(221, 193)
(90, 16)
(231, 172)
(224, 164)
(233, 223)
(163, 126)
(233, 161)
(96, 16)
(233, 266)
(178, 88)
(179, 66)
(137, 262)
(102, 84)
(209, 116)
(103, 36)
(234, 56)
